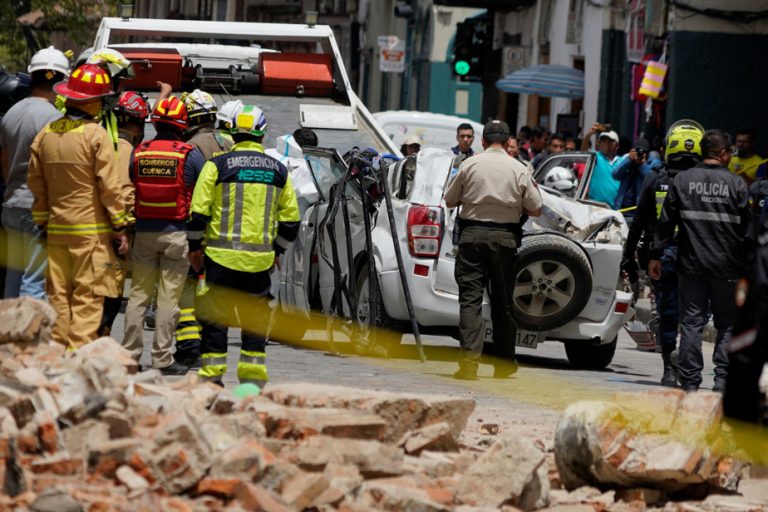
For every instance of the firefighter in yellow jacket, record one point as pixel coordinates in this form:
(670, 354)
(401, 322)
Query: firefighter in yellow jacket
(245, 206)
(78, 202)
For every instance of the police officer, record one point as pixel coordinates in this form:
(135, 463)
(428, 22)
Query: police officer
(494, 192)
(709, 206)
(245, 206)
(653, 192)
(748, 348)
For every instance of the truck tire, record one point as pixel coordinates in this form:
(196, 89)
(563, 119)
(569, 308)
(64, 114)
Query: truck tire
(553, 282)
(374, 326)
(583, 354)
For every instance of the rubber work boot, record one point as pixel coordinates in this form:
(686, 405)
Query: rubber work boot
(669, 378)
(467, 371)
(504, 369)
(175, 369)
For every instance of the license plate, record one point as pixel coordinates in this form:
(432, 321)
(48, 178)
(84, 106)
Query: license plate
(523, 338)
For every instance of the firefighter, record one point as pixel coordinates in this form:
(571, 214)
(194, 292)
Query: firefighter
(245, 207)
(678, 157)
(202, 113)
(119, 68)
(709, 206)
(76, 185)
(131, 113)
(26, 251)
(164, 171)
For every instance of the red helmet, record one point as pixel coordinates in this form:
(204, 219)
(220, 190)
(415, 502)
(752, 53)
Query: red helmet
(170, 111)
(132, 106)
(85, 83)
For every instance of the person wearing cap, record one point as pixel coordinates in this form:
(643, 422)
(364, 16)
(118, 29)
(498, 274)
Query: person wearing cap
(78, 202)
(412, 145)
(494, 192)
(244, 207)
(26, 251)
(603, 186)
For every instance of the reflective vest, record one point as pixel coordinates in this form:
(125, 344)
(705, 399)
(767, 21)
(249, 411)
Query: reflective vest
(245, 194)
(158, 173)
(662, 189)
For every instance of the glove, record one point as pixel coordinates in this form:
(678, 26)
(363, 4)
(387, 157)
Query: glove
(632, 269)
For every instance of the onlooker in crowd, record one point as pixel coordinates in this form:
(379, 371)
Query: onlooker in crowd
(745, 161)
(513, 150)
(709, 207)
(523, 135)
(26, 251)
(555, 147)
(631, 169)
(412, 145)
(537, 142)
(465, 136)
(74, 177)
(164, 171)
(571, 144)
(603, 187)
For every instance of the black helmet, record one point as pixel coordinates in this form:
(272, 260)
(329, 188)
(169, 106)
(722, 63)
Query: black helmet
(13, 88)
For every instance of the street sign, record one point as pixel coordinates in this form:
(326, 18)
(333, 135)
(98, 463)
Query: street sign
(391, 54)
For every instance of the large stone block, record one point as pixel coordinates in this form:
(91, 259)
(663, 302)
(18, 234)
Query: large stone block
(25, 321)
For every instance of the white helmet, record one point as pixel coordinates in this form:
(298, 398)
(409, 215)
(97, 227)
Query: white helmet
(227, 113)
(116, 63)
(49, 59)
(561, 179)
(201, 107)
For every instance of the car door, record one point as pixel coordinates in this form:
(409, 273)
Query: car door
(582, 165)
(299, 264)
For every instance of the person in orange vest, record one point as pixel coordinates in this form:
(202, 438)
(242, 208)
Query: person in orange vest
(164, 171)
(76, 185)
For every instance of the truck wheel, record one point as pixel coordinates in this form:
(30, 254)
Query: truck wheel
(583, 354)
(374, 327)
(554, 282)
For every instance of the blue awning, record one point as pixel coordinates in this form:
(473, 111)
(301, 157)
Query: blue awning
(545, 80)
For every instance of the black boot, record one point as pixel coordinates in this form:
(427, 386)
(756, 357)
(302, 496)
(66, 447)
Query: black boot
(669, 379)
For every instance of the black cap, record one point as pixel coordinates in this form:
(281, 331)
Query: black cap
(496, 127)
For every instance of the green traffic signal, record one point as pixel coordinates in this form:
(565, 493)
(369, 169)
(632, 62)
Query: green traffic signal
(461, 67)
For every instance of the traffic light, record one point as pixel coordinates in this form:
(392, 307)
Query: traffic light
(471, 47)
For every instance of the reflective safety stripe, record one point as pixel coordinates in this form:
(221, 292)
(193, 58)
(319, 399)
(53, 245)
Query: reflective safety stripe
(711, 216)
(187, 318)
(40, 215)
(160, 153)
(659, 202)
(226, 189)
(237, 224)
(252, 359)
(78, 229)
(214, 359)
(187, 311)
(239, 246)
(158, 205)
(195, 235)
(185, 337)
(184, 330)
(268, 212)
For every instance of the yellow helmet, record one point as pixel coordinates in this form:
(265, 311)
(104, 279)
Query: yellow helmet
(683, 141)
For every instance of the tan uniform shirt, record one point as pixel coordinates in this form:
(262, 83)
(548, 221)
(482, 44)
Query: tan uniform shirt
(210, 144)
(76, 182)
(493, 187)
(124, 153)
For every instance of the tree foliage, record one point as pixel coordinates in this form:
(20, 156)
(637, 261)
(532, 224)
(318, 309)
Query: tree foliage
(68, 23)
